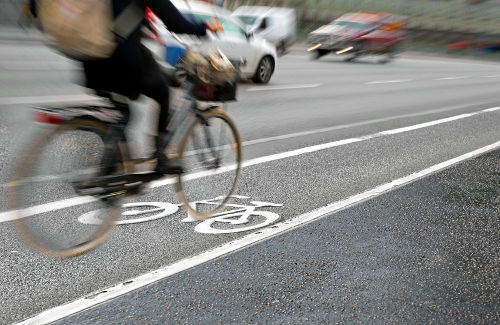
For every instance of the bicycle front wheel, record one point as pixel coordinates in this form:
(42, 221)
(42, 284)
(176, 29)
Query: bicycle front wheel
(211, 159)
(43, 192)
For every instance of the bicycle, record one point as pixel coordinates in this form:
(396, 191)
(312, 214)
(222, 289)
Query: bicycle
(85, 152)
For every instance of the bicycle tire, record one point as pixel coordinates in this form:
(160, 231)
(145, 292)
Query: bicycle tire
(190, 186)
(29, 162)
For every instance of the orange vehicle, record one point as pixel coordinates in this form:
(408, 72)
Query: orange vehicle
(360, 33)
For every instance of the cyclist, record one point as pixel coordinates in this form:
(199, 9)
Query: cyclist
(132, 70)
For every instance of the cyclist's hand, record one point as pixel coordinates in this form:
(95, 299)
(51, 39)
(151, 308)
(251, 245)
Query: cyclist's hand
(214, 25)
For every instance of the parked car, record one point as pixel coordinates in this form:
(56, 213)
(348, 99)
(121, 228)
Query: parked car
(257, 54)
(277, 25)
(359, 34)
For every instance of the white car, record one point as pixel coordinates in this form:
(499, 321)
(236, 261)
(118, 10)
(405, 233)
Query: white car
(257, 55)
(277, 25)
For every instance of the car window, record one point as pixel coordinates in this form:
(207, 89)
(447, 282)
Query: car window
(264, 23)
(230, 27)
(199, 18)
(350, 24)
(248, 20)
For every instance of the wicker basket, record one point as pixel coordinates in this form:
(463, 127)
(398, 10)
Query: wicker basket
(213, 76)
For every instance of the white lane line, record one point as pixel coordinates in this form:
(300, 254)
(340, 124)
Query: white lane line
(351, 125)
(57, 205)
(493, 109)
(283, 87)
(298, 134)
(377, 82)
(491, 76)
(102, 296)
(47, 207)
(46, 99)
(426, 124)
(452, 78)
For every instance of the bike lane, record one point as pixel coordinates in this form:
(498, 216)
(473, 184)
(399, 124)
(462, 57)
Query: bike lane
(427, 252)
(300, 184)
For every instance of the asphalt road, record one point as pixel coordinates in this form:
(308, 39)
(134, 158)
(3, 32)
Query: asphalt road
(426, 253)
(322, 132)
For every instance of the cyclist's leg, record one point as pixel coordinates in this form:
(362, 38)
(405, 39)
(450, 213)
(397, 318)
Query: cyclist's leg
(115, 133)
(154, 85)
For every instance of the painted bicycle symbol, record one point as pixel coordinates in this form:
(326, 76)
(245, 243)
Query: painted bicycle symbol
(236, 218)
(240, 218)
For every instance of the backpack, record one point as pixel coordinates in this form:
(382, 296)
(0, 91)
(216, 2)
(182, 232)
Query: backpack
(85, 29)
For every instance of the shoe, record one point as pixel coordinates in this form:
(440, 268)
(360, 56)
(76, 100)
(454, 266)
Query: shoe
(168, 166)
(164, 165)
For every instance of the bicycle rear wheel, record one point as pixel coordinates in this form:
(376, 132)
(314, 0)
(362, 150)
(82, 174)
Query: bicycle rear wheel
(42, 193)
(211, 160)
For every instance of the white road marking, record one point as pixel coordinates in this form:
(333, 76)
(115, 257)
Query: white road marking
(46, 99)
(57, 205)
(237, 216)
(350, 125)
(47, 207)
(493, 109)
(427, 124)
(164, 208)
(452, 78)
(291, 135)
(283, 87)
(107, 294)
(387, 81)
(491, 76)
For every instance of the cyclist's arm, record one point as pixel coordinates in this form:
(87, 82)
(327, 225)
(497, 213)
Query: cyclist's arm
(174, 20)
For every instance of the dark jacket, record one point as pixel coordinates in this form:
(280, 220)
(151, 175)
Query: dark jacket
(130, 61)
(123, 70)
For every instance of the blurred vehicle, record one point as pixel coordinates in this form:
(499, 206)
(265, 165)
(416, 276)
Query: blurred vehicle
(277, 25)
(482, 43)
(257, 54)
(360, 33)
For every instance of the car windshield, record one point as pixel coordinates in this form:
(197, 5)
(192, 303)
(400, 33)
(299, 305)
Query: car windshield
(229, 26)
(350, 24)
(248, 20)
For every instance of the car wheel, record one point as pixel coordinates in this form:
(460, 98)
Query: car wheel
(352, 57)
(385, 59)
(264, 71)
(281, 48)
(319, 53)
